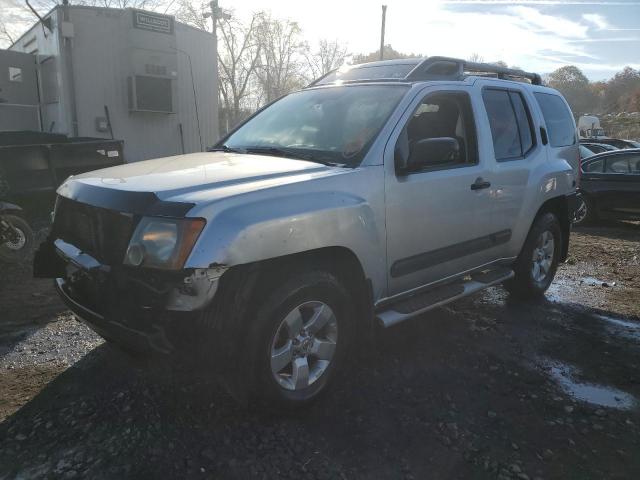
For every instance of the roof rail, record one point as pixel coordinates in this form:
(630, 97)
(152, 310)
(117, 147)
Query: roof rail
(446, 68)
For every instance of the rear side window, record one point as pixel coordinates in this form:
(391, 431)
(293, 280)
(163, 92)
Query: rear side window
(595, 166)
(558, 119)
(617, 165)
(510, 124)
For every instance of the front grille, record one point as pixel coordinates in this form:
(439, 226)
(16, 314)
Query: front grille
(103, 234)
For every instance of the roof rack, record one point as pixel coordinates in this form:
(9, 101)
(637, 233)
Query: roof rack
(430, 68)
(447, 68)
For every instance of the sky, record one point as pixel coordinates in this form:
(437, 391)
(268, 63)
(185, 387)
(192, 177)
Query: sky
(600, 37)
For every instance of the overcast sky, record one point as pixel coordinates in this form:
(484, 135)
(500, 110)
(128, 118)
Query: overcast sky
(600, 37)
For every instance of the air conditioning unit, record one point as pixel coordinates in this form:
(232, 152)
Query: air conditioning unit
(151, 94)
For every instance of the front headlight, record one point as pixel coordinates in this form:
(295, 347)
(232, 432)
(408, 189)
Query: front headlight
(163, 242)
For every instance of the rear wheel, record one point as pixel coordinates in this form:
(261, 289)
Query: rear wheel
(299, 339)
(585, 212)
(538, 261)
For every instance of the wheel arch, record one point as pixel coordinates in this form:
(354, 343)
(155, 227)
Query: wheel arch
(254, 281)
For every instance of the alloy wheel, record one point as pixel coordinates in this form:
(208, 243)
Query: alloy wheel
(543, 256)
(304, 345)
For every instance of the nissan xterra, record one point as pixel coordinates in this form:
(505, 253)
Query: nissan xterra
(375, 194)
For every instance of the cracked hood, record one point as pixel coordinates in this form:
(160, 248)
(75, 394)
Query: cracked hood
(190, 178)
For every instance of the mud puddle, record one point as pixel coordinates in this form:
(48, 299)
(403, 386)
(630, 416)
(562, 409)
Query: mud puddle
(601, 395)
(625, 328)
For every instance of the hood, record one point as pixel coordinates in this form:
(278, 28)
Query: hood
(183, 178)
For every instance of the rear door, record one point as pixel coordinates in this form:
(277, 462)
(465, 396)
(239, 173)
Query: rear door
(615, 184)
(515, 150)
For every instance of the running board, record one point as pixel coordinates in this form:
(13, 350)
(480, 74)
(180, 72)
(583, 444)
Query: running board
(439, 296)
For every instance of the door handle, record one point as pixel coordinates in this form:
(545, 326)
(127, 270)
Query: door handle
(479, 184)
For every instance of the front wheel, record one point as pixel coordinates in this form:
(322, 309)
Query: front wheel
(538, 261)
(18, 241)
(300, 338)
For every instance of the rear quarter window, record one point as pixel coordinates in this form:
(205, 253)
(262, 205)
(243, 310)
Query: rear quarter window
(558, 119)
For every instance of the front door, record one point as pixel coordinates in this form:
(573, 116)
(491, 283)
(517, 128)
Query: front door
(438, 218)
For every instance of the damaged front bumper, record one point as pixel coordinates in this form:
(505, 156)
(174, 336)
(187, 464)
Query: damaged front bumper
(145, 310)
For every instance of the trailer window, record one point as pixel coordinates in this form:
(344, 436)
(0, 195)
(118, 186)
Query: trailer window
(15, 74)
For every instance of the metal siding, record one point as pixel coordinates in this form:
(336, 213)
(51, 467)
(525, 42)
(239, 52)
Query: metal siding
(101, 60)
(200, 46)
(102, 67)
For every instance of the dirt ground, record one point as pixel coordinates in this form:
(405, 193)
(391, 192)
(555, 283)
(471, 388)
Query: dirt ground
(484, 388)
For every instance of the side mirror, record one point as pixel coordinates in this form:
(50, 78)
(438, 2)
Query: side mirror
(432, 152)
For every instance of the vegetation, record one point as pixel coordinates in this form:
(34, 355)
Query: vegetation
(619, 94)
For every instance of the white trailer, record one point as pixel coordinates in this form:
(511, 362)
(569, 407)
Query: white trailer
(589, 127)
(134, 75)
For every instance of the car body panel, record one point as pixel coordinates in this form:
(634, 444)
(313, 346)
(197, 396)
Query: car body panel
(614, 195)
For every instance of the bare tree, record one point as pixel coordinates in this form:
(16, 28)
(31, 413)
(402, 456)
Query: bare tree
(329, 56)
(476, 58)
(186, 11)
(46, 5)
(238, 56)
(280, 65)
(6, 35)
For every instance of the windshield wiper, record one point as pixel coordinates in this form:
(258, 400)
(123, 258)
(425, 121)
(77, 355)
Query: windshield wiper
(285, 152)
(226, 148)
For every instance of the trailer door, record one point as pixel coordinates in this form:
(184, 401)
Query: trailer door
(19, 99)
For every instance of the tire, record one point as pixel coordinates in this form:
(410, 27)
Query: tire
(537, 263)
(586, 212)
(15, 252)
(286, 346)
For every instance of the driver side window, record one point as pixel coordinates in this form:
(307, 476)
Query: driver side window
(441, 132)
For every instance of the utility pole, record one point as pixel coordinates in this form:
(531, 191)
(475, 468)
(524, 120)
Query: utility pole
(216, 13)
(384, 16)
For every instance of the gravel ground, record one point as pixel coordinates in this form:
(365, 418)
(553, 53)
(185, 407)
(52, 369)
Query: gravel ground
(484, 388)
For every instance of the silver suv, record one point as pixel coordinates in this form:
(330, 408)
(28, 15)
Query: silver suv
(374, 195)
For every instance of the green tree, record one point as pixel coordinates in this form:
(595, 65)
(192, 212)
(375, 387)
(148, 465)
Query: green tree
(621, 91)
(574, 85)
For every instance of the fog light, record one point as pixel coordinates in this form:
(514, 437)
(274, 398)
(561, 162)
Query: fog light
(135, 254)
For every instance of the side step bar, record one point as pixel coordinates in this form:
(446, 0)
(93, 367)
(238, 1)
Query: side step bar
(439, 296)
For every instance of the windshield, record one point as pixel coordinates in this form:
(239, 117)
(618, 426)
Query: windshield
(327, 125)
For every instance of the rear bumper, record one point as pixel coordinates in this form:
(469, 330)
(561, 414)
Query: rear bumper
(148, 311)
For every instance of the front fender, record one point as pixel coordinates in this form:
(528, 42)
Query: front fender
(289, 224)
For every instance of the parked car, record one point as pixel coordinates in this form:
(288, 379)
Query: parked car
(597, 147)
(610, 187)
(372, 196)
(619, 143)
(585, 152)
